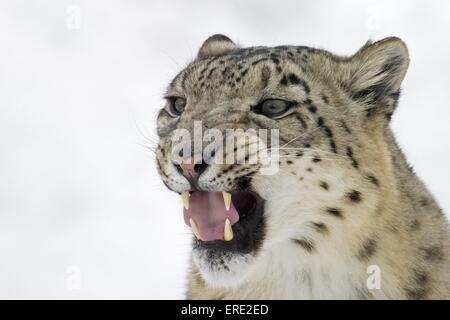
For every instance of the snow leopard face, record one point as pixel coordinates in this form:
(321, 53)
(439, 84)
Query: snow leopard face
(325, 110)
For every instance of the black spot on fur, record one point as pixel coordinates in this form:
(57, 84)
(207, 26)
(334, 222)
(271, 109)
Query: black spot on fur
(283, 81)
(354, 196)
(389, 116)
(274, 56)
(417, 287)
(367, 250)
(355, 163)
(373, 180)
(433, 253)
(309, 169)
(254, 63)
(228, 169)
(210, 72)
(265, 76)
(333, 146)
(275, 60)
(320, 227)
(302, 121)
(395, 96)
(301, 49)
(293, 79)
(312, 108)
(305, 243)
(306, 87)
(320, 121)
(316, 159)
(328, 132)
(289, 162)
(325, 99)
(346, 128)
(324, 185)
(334, 212)
(424, 202)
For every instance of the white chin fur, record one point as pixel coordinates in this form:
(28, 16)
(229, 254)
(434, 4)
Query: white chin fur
(231, 274)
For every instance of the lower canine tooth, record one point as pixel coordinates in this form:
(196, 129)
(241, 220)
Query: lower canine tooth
(185, 197)
(228, 231)
(227, 200)
(194, 228)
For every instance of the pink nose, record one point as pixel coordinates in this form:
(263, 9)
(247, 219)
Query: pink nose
(188, 165)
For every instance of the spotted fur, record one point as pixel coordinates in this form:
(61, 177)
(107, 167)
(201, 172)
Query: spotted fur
(344, 198)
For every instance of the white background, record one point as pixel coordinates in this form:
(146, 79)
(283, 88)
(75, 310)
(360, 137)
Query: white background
(82, 211)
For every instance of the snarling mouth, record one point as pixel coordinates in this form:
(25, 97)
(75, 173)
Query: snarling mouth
(232, 221)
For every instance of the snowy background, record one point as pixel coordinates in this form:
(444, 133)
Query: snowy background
(82, 211)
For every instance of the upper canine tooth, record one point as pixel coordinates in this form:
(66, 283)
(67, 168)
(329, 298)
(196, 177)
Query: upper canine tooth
(185, 197)
(227, 231)
(194, 228)
(227, 200)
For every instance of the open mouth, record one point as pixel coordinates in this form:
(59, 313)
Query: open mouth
(232, 221)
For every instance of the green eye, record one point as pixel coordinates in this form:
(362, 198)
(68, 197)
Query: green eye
(177, 105)
(274, 108)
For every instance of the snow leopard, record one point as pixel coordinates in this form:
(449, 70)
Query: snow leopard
(344, 216)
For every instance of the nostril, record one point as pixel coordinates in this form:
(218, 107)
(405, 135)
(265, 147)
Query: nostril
(191, 167)
(199, 168)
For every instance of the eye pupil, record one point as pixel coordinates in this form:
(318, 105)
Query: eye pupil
(177, 105)
(274, 107)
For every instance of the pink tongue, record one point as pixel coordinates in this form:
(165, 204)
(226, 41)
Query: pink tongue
(208, 210)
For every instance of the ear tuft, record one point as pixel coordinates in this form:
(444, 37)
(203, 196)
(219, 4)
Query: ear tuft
(216, 45)
(377, 71)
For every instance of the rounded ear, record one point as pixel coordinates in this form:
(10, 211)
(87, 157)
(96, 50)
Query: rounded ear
(376, 72)
(215, 45)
